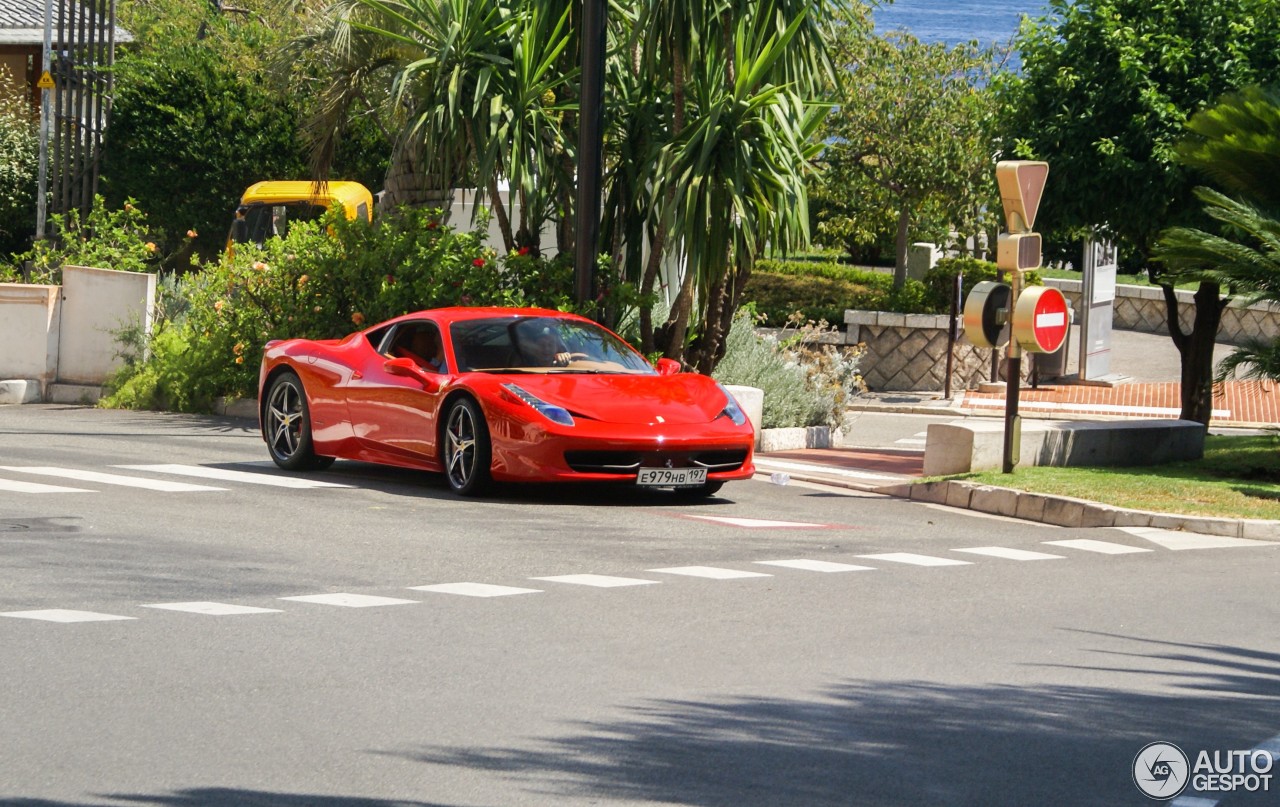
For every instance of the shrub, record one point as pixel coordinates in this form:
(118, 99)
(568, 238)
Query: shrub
(939, 280)
(804, 383)
(108, 239)
(823, 291)
(324, 280)
(19, 153)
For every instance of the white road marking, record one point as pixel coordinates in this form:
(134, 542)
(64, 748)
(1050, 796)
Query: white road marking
(816, 565)
(63, 615)
(911, 441)
(476, 589)
(759, 523)
(764, 462)
(1009, 554)
(710, 572)
(1193, 801)
(35, 487)
(111, 479)
(597, 580)
(916, 560)
(228, 475)
(1085, 407)
(1177, 541)
(1102, 547)
(350, 600)
(212, 608)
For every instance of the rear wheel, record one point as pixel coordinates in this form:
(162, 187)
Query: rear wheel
(466, 448)
(287, 422)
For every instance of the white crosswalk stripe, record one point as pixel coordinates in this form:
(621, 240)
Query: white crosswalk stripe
(110, 479)
(913, 559)
(212, 608)
(15, 486)
(228, 475)
(1009, 554)
(597, 580)
(710, 572)
(816, 565)
(759, 523)
(345, 600)
(1179, 541)
(65, 615)
(476, 589)
(1101, 547)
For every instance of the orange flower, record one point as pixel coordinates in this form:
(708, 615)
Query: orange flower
(128, 207)
(302, 280)
(316, 309)
(238, 349)
(239, 359)
(192, 233)
(260, 266)
(217, 306)
(357, 318)
(151, 246)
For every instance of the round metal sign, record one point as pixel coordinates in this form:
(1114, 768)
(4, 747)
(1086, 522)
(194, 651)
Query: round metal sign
(1041, 319)
(985, 314)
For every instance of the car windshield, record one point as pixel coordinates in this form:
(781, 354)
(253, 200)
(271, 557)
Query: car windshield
(542, 345)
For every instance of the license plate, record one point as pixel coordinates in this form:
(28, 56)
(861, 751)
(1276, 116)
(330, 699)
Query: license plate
(671, 477)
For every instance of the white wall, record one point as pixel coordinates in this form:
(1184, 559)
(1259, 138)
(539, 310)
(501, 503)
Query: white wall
(96, 302)
(29, 322)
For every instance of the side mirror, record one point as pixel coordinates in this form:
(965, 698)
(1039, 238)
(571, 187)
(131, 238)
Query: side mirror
(667, 366)
(410, 369)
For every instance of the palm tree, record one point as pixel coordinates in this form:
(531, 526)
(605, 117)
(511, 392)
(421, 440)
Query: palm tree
(1237, 144)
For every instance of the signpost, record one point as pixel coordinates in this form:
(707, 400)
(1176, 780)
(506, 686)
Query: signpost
(1097, 303)
(1021, 187)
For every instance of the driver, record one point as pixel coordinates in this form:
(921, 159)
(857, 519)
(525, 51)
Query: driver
(425, 349)
(544, 348)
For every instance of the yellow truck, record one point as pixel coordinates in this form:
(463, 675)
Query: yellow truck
(267, 208)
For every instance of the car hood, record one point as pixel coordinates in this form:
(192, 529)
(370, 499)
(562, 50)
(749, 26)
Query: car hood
(681, 399)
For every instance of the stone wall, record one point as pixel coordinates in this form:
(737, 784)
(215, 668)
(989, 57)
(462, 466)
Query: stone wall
(1142, 308)
(908, 353)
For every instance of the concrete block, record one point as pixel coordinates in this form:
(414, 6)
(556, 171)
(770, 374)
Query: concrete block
(921, 257)
(1030, 506)
(86, 394)
(861, 317)
(29, 320)
(781, 439)
(959, 494)
(1000, 501)
(1260, 530)
(19, 391)
(245, 408)
(95, 303)
(891, 320)
(1228, 527)
(930, 492)
(1062, 511)
(751, 400)
(1098, 515)
(899, 490)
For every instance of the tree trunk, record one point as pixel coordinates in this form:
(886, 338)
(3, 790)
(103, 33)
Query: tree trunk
(900, 249)
(409, 182)
(1196, 349)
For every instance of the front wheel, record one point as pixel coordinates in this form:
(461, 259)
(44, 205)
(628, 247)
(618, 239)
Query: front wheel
(287, 426)
(466, 448)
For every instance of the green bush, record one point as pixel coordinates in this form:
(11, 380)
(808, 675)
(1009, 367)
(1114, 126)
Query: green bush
(939, 281)
(324, 280)
(804, 383)
(119, 239)
(19, 153)
(823, 291)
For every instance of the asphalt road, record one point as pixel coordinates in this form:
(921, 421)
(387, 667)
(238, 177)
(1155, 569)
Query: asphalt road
(296, 661)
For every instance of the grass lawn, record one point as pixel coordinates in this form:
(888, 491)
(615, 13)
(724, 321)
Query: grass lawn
(1239, 477)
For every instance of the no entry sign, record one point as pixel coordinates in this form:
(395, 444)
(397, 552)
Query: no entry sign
(1041, 319)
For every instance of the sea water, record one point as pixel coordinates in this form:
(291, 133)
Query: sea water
(954, 21)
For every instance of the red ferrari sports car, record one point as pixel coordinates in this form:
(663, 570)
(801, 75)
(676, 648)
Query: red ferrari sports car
(505, 394)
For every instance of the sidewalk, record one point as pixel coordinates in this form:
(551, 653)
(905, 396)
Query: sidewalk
(1144, 357)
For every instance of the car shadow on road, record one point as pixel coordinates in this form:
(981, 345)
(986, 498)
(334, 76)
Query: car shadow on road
(905, 742)
(223, 797)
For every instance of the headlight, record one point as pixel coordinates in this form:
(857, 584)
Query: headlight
(553, 413)
(731, 409)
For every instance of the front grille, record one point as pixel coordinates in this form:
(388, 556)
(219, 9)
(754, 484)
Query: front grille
(622, 462)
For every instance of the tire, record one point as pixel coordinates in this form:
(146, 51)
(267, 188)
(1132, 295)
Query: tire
(287, 426)
(702, 491)
(466, 453)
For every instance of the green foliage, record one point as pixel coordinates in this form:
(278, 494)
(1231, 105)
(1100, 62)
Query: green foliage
(19, 159)
(1105, 90)
(908, 151)
(119, 239)
(324, 280)
(940, 280)
(804, 383)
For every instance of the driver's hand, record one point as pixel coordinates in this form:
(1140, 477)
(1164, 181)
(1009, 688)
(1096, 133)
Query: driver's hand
(563, 359)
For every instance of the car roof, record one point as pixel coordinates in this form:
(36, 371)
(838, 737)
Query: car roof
(463, 313)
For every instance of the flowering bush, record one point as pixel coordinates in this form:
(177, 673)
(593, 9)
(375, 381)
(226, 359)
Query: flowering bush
(109, 239)
(324, 280)
(805, 382)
